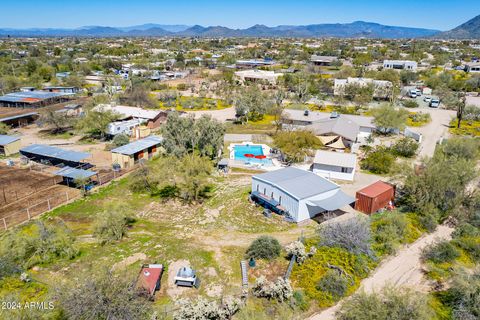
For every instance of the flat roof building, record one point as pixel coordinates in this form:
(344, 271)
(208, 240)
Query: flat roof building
(258, 76)
(323, 60)
(335, 165)
(400, 64)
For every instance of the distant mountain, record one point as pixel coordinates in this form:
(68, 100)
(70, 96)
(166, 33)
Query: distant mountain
(348, 30)
(166, 27)
(468, 30)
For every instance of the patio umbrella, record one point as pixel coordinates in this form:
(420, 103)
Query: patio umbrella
(260, 156)
(327, 139)
(337, 144)
(249, 155)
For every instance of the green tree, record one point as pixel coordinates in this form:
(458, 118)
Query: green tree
(379, 161)
(250, 104)
(387, 118)
(58, 121)
(95, 123)
(264, 247)
(296, 145)
(4, 129)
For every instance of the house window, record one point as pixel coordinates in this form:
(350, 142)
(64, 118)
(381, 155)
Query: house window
(344, 170)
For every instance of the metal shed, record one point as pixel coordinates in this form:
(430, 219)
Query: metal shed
(56, 156)
(128, 155)
(9, 145)
(374, 197)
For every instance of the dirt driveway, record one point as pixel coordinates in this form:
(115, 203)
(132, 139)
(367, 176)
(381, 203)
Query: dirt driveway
(404, 269)
(434, 131)
(221, 115)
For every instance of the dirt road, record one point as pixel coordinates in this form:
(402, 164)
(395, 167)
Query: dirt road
(221, 115)
(404, 269)
(435, 130)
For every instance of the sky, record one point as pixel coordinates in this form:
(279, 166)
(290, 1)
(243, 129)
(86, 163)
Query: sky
(434, 14)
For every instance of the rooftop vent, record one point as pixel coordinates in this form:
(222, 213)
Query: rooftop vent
(146, 273)
(306, 113)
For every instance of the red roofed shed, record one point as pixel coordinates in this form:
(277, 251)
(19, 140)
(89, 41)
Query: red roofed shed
(149, 278)
(374, 197)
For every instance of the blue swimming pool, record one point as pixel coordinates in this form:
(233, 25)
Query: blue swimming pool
(242, 149)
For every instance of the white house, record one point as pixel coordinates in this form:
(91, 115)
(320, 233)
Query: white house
(335, 165)
(258, 75)
(400, 64)
(301, 194)
(472, 67)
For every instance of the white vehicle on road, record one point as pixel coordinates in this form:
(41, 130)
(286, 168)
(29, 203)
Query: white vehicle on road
(412, 93)
(427, 99)
(434, 103)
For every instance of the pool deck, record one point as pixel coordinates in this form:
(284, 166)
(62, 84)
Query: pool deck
(260, 166)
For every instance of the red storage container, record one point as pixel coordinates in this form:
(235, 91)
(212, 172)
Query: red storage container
(374, 197)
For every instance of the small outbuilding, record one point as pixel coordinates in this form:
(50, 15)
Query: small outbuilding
(72, 175)
(375, 197)
(149, 278)
(335, 165)
(130, 154)
(9, 145)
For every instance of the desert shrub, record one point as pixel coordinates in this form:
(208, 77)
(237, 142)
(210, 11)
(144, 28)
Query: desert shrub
(203, 309)
(428, 219)
(389, 304)
(296, 248)
(308, 275)
(464, 295)
(38, 243)
(352, 234)
(102, 294)
(279, 290)
(440, 252)
(388, 231)
(410, 104)
(301, 300)
(465, 148)
(296, 145)
(112, 224)
(465, 230)
(333, 283)
(379, 161)
(405, 147)
(264, 247)
(471, 246)
(120, 140)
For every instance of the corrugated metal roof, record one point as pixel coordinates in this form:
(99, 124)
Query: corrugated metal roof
(375, 189)
(54, 152)
(335, 202)
(73, 173)
(138, 145)
(19, 116)
(22, 95)
(337, 159)
(298, 183)
(4, 139)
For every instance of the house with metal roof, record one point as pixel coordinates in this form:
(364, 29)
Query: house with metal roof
(20, 120)
(152, 118)
(337, 131)
(9, 145)
(130, 154)
(335, 165)
(149, 278)
(297, 193)
(56, 156)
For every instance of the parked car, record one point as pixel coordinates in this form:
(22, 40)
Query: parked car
(434, 103)
(419, 92)
(412, 93)
(427, 99)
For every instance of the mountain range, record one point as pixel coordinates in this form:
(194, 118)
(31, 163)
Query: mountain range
(468, 30)
(357, 29)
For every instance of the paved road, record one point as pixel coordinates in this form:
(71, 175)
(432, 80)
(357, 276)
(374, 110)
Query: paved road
(404, 269)
(435, 130)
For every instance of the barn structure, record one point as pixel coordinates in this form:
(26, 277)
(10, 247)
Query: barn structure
(56, 156)
(9, 145)
(130, 154)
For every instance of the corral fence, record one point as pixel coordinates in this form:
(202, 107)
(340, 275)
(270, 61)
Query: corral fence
(11, 195)
(38, 208)
(34, 209)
